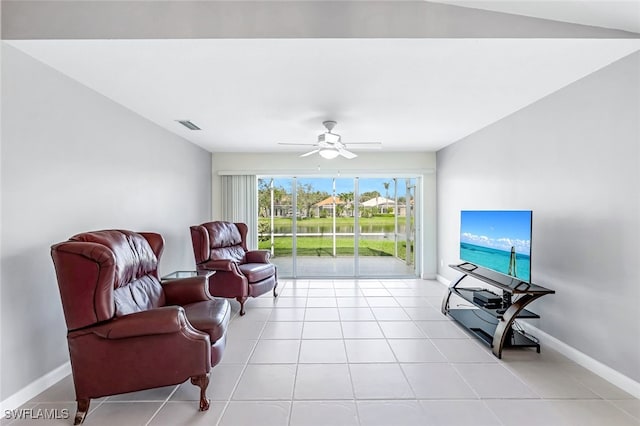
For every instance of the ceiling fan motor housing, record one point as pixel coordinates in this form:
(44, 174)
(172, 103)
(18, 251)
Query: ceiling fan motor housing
(328, 138)
(329, 124)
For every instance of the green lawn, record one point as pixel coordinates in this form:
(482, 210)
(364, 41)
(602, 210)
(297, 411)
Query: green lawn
(319, 221)
(323, 246)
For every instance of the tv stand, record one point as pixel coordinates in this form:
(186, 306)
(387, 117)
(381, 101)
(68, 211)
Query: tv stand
(494, 325)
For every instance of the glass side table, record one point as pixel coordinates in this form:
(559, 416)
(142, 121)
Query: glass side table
(175, 275)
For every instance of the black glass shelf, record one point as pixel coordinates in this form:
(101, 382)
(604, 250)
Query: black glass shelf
(467, 294)
(503, 282)
(483, 329)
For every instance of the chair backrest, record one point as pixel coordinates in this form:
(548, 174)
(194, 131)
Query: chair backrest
(109, 273)
(219, 241)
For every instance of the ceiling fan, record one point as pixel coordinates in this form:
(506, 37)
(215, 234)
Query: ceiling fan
(330, 145)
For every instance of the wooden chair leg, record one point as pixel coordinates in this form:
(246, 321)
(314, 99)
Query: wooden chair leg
(275, 286)
(202, 382)
(83, 409)
(241, 300)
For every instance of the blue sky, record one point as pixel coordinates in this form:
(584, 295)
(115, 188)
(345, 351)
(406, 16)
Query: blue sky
(346, 184)
(497, 229)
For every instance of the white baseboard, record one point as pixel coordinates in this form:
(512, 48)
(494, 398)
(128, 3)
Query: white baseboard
(443, 280)
(36, 387)
(613, 376)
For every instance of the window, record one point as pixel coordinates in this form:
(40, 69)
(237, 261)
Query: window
(339, 226)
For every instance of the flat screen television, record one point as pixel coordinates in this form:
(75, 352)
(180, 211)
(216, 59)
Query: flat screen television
(499, 240)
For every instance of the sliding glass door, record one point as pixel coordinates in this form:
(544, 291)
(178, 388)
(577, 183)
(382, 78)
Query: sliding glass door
(275, 221)
(324, 229)
(386, 227)
(338, 227)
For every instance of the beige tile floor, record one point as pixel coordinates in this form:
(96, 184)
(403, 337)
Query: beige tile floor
(367, 352)
(343, 266)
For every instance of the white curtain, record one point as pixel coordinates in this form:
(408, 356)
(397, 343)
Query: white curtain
(240, 204)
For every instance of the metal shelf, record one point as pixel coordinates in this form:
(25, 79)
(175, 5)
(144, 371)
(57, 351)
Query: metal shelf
(503, 282)
(488, 324)
(467, 294)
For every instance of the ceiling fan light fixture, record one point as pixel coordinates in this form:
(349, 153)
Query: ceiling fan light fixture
(328, 153)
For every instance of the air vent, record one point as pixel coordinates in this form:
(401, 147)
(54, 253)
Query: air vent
(188, 124)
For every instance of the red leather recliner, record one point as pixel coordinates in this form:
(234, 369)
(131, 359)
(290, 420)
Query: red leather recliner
(240, 273)
(126, 331)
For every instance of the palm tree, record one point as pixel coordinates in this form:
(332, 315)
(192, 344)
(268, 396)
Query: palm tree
(347, 198)
(308, 196)
(386, 189)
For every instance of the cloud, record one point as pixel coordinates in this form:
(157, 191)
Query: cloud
(503, 243)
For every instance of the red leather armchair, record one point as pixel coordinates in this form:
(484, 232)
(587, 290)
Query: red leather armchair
(126, 331)
(240, 273)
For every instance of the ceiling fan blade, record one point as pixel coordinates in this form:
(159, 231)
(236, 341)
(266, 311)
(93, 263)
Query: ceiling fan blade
(346, 154)
(364, 145)
(306, 154)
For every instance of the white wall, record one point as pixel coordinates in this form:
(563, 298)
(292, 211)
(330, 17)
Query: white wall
(366, 164)
(574, 159)
(74, 161)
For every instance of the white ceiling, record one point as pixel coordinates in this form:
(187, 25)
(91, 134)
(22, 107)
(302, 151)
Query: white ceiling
(249, 94)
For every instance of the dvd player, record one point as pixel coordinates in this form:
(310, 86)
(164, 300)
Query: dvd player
(487, 297)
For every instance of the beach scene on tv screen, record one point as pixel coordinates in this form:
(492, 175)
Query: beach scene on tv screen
(487, 239)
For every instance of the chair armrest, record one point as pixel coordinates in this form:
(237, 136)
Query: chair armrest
(258, 256)
(164, 320)
(220, 265)
(184, 291)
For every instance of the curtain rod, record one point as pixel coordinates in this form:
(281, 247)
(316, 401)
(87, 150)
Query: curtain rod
(331, 173)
